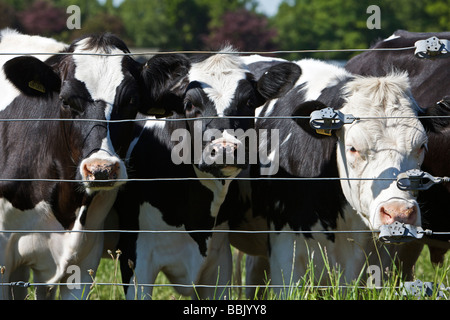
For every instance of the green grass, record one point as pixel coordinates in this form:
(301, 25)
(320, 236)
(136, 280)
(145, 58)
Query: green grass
(109, 272)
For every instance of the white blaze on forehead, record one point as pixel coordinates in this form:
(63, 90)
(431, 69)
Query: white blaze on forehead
(101, 74)
(219, 76)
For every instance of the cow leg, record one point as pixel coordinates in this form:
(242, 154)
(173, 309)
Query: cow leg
(43, 292)
(73, 273)
(283, 271)
(217, 271)
(22, 273)
(257, 270)
(145, 271)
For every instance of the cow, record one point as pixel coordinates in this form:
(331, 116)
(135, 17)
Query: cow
(429, 86)
(61, 167)
(202, 148)
(334, 181)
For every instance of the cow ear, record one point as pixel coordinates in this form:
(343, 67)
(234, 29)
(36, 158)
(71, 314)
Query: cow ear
(164, 80)
(437, 116)
(302, 118)
(316, 152)
(32, 76)
(278, 80)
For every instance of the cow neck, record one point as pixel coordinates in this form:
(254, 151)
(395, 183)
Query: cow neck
(219, 188)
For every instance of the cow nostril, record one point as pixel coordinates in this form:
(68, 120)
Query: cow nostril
(101, 171)
(386, 218)
(398, 211)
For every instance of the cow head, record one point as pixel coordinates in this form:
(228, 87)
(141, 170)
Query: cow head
(371, 152)
(86, 84)
(221, 88)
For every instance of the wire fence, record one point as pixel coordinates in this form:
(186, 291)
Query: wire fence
(151, 53)
(26, 284)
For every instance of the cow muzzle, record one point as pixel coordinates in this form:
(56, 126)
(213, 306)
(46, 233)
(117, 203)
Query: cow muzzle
(222, 157)
(101, 174)
(401, 210)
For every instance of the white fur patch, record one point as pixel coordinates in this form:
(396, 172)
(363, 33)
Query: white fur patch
(101, 74)
(12, 41)
(218, 188)
(219, 76)
(318, 75)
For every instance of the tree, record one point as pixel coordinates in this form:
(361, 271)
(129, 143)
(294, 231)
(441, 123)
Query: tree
(43, 18)
(18, 5)
(102, 22)
(7, 16)
(243, 29)
(145, 22)
(336, 24)
(174, 24)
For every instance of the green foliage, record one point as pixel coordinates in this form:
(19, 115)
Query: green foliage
(336, 24)
(193, 24)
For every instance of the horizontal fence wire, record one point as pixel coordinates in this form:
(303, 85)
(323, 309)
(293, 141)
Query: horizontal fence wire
(440, 288)
(193, 179)
(28, 284)
(209, 118)
(148, 53)
(19, 231)
(179, 285)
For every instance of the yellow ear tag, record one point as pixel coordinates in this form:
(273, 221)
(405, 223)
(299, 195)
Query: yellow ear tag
(36, 85)
(325, 132)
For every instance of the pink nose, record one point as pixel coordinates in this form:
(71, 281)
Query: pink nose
(98, 169)
(398, 210)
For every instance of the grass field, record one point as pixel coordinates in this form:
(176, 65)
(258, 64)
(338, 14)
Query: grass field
(109, 272)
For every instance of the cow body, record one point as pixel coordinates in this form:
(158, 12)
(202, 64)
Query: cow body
(216, 86)
(364, 149)
(71, 87)
(429, 85)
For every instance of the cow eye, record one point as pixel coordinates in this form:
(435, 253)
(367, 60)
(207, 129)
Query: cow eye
(66, 103)
(72, 103)
(351, 149)
(188, 106)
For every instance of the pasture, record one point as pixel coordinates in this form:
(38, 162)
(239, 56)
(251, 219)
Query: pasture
(106, 285)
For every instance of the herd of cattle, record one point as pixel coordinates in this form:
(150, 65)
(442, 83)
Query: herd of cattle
(126, 176)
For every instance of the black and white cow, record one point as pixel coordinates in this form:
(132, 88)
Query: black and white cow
(212, 149)
(377, 147)
(82, 85)
(429, 84)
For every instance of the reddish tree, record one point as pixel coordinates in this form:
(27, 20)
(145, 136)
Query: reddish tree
(7, 16)
(243, 29)
(43, 18)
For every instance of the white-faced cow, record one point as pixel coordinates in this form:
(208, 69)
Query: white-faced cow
(366, 155)
(220, 89)
(430, 85)
(83, 85)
